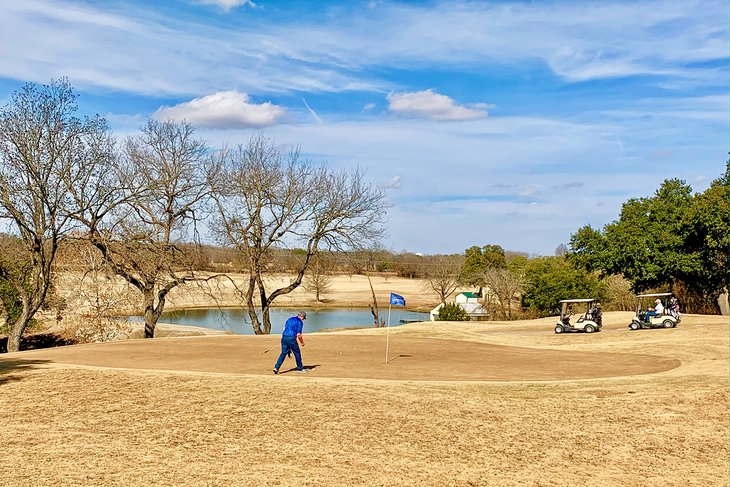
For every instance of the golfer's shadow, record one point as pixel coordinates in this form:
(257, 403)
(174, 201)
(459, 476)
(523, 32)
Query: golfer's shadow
(294, 369)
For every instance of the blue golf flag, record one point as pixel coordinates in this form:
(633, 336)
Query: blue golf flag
(397, 299)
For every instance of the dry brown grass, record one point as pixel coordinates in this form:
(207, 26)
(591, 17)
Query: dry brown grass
(73, 425)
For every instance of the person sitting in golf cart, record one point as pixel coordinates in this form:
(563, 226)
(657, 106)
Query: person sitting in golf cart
(566, 316)
(657, 310)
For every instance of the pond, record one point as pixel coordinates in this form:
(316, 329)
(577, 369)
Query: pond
(237, 321)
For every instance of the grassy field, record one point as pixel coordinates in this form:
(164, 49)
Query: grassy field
(458, 404)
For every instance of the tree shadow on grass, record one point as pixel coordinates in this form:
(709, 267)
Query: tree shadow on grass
(38, 340)
(9, 366)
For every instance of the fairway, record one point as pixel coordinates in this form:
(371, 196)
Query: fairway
(456, 404)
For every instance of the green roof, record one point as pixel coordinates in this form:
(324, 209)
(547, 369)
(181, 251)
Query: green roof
(470, 294)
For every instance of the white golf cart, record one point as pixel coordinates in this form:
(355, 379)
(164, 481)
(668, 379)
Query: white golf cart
(588, 322)
(668, 318)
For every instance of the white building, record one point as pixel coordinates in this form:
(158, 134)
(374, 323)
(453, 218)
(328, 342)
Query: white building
(469, 302)
(466, 297)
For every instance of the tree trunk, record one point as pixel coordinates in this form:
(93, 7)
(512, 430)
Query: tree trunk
(374, 307)
(14, 334)
(255, 324)
(265, 304)
(15, 330)
(267, 300)
(504, 309)
(266, 320)
(150, 314)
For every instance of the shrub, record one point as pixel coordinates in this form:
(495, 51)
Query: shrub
(102, 329)
(452, 312)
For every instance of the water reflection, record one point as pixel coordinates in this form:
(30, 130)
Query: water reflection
(237, 321)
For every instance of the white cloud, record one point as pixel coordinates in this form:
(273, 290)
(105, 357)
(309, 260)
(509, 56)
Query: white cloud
(225, 109)
(432, 106)
(228, 4)
(393, 183)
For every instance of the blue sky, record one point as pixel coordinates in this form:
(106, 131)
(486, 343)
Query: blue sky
(510, 123)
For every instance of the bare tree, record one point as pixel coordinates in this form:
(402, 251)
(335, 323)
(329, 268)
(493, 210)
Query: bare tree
(618, 294)
(442, 276)
(42, 144)
(98, 299)
(319, 280)
(410, 265)
(506, 286)
(268, 199)
(374, 310)
(142, 214)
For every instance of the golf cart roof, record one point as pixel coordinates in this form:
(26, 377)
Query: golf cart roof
(584, 300)
(653, 295)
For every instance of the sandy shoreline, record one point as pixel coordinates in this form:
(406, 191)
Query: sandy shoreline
(347, 292)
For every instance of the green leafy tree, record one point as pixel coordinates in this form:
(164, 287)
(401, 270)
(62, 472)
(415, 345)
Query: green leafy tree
(588, 249)
(477, 260)
(550, 279)
(671, 240)
(645, 244)
(708, 239)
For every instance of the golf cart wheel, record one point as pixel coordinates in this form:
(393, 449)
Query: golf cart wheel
(668, 324)
(559, 329)
(634, 325)
(589, 329)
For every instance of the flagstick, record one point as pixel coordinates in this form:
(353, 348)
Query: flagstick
(387, 336)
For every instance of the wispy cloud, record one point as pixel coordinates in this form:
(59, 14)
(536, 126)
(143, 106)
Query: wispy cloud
(227, 5)
(569, 185)
(138, 50)
(312, 112)
(223, 110)
(432, 106)
(529, 192)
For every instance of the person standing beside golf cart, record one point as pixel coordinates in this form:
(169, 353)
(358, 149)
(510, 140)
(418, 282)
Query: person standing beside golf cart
(657, 310)
(289, 337)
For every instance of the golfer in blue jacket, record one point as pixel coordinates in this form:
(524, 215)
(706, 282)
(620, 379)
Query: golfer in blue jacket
(290, 336)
